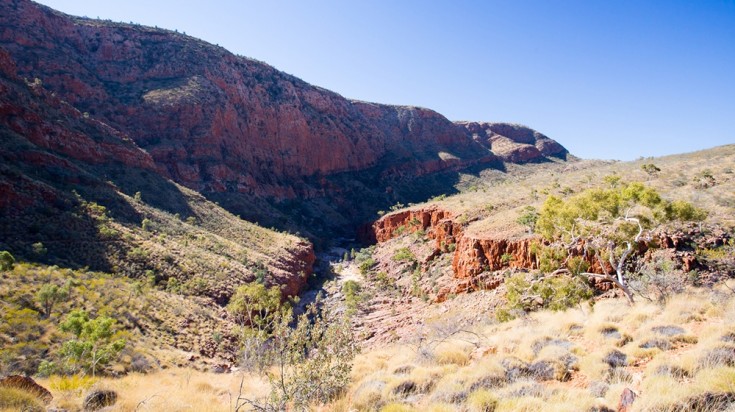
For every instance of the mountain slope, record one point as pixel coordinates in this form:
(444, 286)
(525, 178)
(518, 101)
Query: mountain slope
(237, 129)
(91, 197)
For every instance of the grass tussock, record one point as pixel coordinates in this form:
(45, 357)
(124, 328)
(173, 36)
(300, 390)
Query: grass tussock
(541, 363)
(169, 390)
(12, 399)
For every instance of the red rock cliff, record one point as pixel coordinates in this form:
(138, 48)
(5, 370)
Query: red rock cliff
(475, 255)
(49, 123)
(42, 132)
(472, 255)
(217, 122)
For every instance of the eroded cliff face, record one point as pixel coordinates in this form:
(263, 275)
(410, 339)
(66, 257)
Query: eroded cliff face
(28, 109)
(218, 122)
(476, 258)
(292, 272)
(476, 255)
(80, 95)
(442, 228)
(472, 255)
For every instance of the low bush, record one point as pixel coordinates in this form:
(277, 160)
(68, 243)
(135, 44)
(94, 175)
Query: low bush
(555, 293)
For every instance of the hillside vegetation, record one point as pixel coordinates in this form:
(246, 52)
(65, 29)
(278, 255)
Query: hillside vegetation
(675, 357)
(161, 329)
(492, 200)
(514, 334)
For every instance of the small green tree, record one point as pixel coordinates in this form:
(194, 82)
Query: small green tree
(7, 261)
(528, 218)
(351, 291)
(307, 364)
(94, 344)
(609, 224)
(39, 249)
(367, 265)
(257, 307)
(49, 295)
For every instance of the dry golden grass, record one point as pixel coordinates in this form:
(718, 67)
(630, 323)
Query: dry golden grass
(451, 355)
(166, 390)
(579, 339)
(12, 399)
(547, 361)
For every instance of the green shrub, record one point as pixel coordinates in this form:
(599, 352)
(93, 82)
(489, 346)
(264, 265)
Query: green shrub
(7, 261)
(21, 323)
(577, 265)
(384, 281)
(195, 286)
(658, 280)
(404, 255)
(39, 249)
(554, 293)
(46, 368)
(651, 169)
(506, 258)
(528, 218)
(174, 285)
(107, 232)
(366, 265)
(704, 179)
(550, 258)
(305, 365)
(95, 344)
(138, 254)
(351, 290)
(257, 308)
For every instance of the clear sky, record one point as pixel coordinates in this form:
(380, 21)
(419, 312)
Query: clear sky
(607, 79)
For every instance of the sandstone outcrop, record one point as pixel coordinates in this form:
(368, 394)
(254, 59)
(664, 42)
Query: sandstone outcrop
(475, 255)
(477, 258)
(292, 272)
(410, 221)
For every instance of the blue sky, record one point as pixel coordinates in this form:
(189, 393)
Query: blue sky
(608, 79)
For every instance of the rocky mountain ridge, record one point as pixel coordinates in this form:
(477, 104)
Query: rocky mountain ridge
(239, 130)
